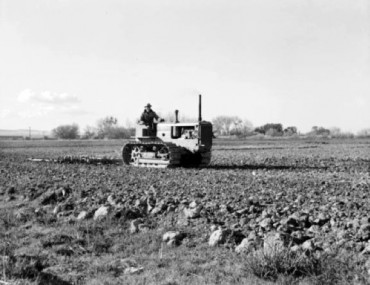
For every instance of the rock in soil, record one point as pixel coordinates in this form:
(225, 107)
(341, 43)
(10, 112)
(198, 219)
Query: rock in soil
(101, 212)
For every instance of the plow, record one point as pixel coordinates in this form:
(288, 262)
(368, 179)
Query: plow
(79, 159)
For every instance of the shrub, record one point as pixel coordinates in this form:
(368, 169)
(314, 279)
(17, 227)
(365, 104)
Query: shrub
(66, 132)
(321, 268)
(273, 133)
(270, 129)
(281, 262)
(319, 131)
(290, 131)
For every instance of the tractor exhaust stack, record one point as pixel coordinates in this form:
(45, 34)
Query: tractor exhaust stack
(200, 108)
(177, 116)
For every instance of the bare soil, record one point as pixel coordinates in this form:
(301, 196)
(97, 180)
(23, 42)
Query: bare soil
(310, 190)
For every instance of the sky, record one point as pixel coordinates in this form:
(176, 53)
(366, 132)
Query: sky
(300, 63)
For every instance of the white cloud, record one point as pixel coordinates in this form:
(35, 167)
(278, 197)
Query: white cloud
(47, 102)
(29, 96)
(25, 96)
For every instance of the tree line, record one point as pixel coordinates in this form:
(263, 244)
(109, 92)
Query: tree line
(108, 128)
(235, 126)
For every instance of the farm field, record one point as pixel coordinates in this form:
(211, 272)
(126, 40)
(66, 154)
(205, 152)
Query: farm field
(264, 212)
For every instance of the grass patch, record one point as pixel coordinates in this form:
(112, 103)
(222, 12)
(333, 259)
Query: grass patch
(339, 268)
(288, 267)
(281, 262)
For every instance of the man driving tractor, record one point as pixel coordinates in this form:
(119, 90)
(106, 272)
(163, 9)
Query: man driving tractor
(149, 118)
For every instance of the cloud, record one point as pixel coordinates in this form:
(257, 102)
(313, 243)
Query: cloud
(46, 102)
(29, 96)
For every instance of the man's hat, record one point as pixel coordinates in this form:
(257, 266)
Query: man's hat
(148, 105)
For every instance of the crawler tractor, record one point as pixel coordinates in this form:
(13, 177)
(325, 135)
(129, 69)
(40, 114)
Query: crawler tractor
(171, 144)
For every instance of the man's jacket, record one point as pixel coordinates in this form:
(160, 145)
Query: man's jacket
(148, 117)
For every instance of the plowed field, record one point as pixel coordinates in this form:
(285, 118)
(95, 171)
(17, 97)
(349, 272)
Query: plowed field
(315, 192)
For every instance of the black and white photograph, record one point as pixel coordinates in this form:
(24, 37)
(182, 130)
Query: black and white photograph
(181, 142)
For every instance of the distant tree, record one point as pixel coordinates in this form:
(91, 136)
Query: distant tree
(319, 131)
(105, 126)
(290, 131)
(270, 129)
(108, 128)
(89, 133)
(241, 128)
(260, 130)
(231, 125)
(365, 133)
(336, 132)
(222, 124)
(66, 132)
